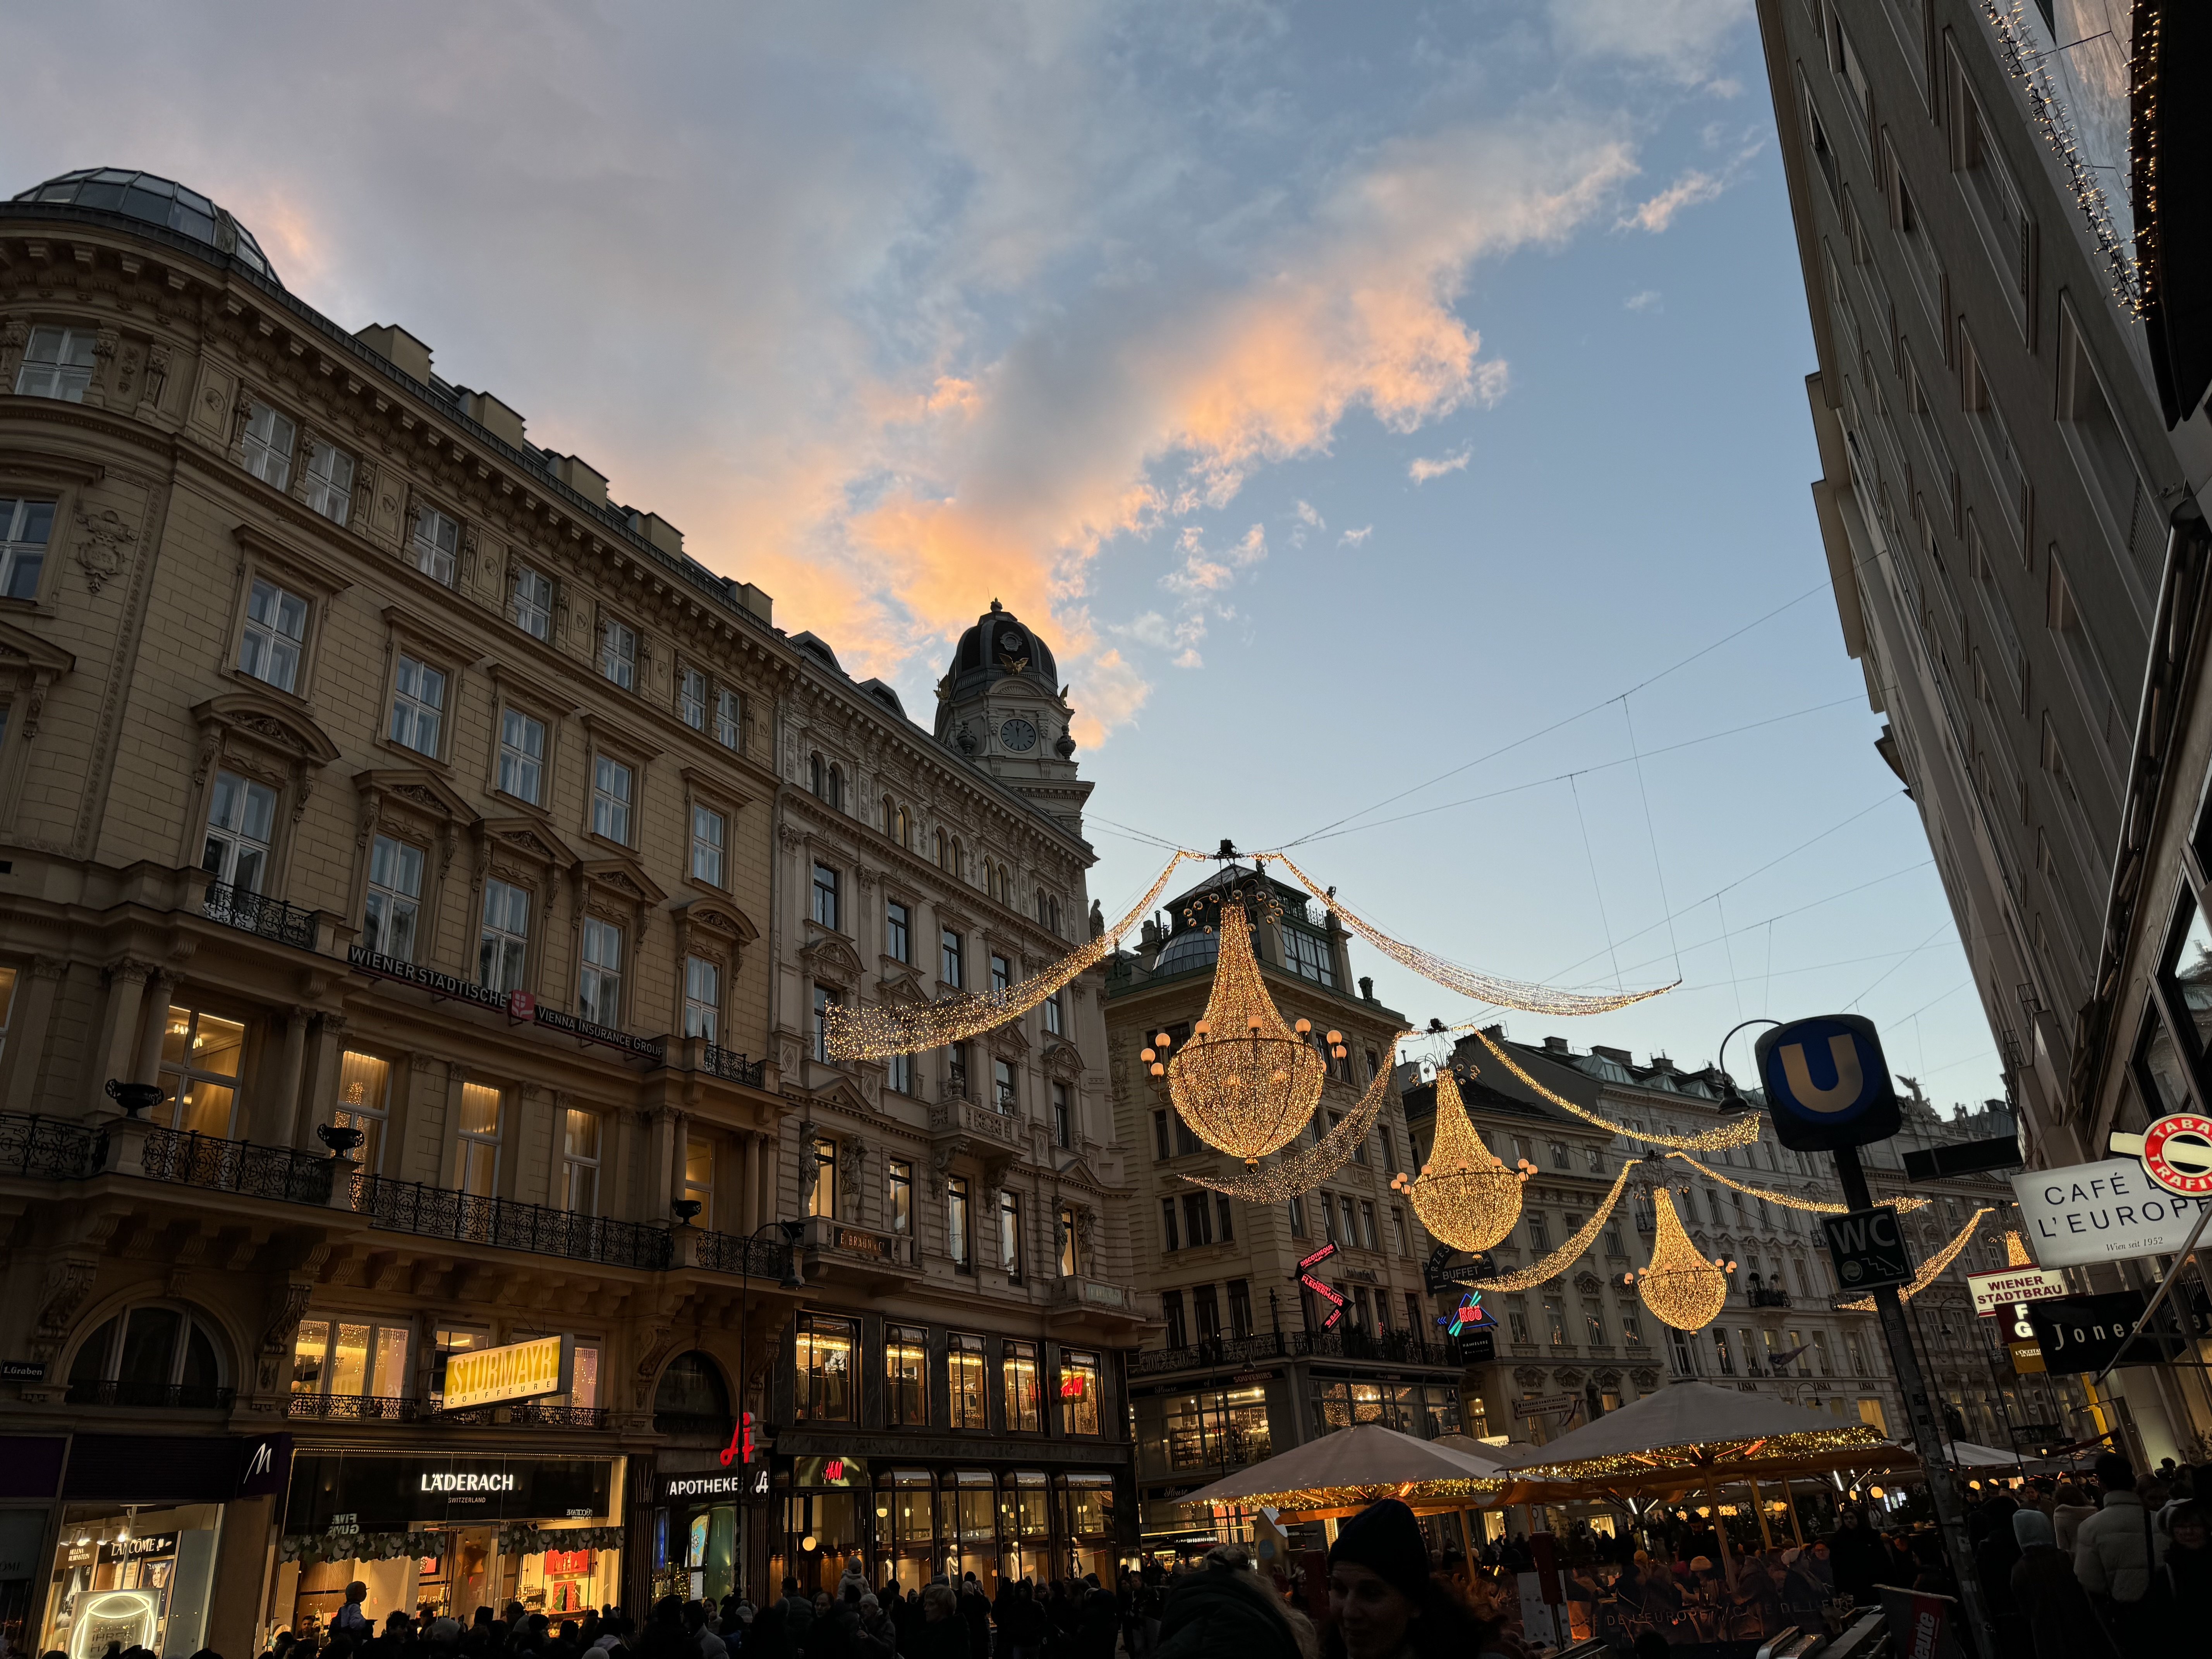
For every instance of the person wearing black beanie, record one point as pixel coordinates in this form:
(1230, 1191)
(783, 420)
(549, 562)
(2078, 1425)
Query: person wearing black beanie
(1382, 1601)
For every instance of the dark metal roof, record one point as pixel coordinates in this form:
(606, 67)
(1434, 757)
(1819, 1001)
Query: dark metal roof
(155, 201)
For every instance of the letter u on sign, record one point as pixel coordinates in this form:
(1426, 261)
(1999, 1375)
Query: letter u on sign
(1850, 1082)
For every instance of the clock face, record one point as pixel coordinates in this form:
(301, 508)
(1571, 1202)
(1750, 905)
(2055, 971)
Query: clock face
(1012, 644)
(1017, 734)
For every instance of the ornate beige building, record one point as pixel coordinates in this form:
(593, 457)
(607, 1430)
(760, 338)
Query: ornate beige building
(405, 817)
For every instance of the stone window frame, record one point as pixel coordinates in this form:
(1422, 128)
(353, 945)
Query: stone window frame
(433, 648)
(418, 500)
(29, 666)
(417, 805)
(524, 854)
(241, 417)
(97, 554)
(714, 930)
(603, 737)
(262, 737)
(263, 557)
(616, 890)
(703, 788)
(512, 687)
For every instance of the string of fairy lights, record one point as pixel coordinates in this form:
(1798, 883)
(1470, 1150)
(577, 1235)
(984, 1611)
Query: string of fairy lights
(1736, 1132)
(1296, 1172)
(1551, 1266)
(1933, 1268)
(1790, 1200)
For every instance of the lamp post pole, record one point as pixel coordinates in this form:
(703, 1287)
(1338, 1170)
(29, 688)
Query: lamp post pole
(791, 1281)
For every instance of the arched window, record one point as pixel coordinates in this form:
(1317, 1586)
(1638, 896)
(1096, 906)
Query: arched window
(817, 777)
(905, 828)
(158, 1353)
(691, 1396)
(944, 854)
(959, 865)
(836, 795)
(890, 818)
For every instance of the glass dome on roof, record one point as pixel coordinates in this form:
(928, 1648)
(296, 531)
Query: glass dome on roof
(1188, 952)
(158, 201)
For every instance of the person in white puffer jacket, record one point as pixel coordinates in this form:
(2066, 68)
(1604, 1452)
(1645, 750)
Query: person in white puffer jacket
(2116, 1550)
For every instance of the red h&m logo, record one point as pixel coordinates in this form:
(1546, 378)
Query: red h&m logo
(1070, 1387)
(833, 1469)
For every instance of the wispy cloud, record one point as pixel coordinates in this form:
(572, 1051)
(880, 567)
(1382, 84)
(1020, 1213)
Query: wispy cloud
(1646, 300)
(1422, 468)
(1355, 537)
(1694, 187)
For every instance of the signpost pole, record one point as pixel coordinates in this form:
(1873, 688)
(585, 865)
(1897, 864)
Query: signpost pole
(2203, 1214)
(1926, 1433)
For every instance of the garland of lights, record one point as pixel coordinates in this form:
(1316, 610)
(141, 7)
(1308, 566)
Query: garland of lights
(1930, 1270)
(1569, 1253)
(1902, 1204)
(1712, 1454)
(1245, 1083)
(1737, 1132)
(1681, 1287)
(1483, 988)
(1463, 1195)
(2016, 1254)
(1469, 1491)
(879, 1030)
(1296, 1173)
(2030, 68)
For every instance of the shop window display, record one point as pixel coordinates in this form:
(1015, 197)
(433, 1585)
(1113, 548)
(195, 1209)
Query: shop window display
(906, 1534)
(141, 1578)
(1086, 1509)
(1025, 1527)
(823, 1354)
(967, 1528)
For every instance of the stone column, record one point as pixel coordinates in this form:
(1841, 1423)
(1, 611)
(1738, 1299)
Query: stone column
(26, 1037)
(664, 1163)
(155, 1021)
(118, 1035)
(325, 1048)
(278, 1107)
(751, 1216)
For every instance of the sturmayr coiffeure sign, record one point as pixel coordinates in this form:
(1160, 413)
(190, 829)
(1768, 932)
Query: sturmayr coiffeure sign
(520, 1370)
(516, 1005)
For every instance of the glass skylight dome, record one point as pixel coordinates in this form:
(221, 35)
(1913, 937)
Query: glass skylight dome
(158, 201)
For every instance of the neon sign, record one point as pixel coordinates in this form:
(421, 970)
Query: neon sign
(1317, 1258)
(1321, 1291)
(1470, 1315)
(833, 1469)
(1071, 1386)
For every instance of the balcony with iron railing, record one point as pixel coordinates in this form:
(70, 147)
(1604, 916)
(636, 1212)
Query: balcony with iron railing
(260, 914)
(236, 1166)
(736, 1253)
(378, 1408)
(1390, 1347)
(412, 1206)
(1761, 1298)
(48, 1148)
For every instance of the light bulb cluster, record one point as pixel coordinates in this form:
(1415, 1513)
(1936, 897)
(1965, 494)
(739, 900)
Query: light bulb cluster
(1665, 1466)
(1483, 988)
(1736, 1132)
(1930, 1270)
(879, 1030)
(1789, 1200)
(1681, 1287)
(1296, 1172)
(1245, 1083)
(1464, 1196)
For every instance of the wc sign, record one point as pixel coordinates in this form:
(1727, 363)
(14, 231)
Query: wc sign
(1827, 1084)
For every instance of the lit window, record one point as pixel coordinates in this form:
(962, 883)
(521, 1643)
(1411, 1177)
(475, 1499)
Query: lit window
(58, 363)
(395, 892)
(1071, 1252)
(898, 1194)
(505, 942)
(1078, 1392)
(200, 1056)
(530, 607)
(477, 1155)
(702, 997)
(729, 719)
(824, 1390)
(599, 984)
(906, 1377)
(7, 1004)
(240, 815)
(580, 1162)
(963, 1380)
(276, 627)
(1025, 1401)
(364, 1102)
(1009, 1233)
(691, 699)
(610, 792)
(521, 757)
(25, 527)
(436, 544)
(270, 439)
(418, 706)
(825, 896)
(618, 653)
(699, 1177)
(709, 830)
(822, 1189)
(329, 481)
(351, 1359)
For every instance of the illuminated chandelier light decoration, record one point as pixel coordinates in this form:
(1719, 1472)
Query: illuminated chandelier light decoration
(1569, 1253)
(2016, 1254)
(1930, 1270)
(1681, 1287)
(1463, 1195)
(1244, 1082)
(1736, 1132)
(879, 1030)
(1903, 1205)
(1483, 988)
(1295, 1173)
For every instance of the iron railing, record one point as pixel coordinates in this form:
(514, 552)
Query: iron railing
(734, 1068)
(1765, 1298)
(49, 1147)
(383, 1408)
(257, 913)
(181, 1396)
(354, 1408)
(737, 1253)
(528, 1412)
(237, 1166)
(409, 1206)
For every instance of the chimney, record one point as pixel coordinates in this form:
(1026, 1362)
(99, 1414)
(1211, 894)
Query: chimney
(581, 477)
(493, 415)
(1555, 1045)
(398, 348)
(658, 530)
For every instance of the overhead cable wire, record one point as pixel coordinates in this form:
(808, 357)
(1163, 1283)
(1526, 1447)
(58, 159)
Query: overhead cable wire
(1651, 679)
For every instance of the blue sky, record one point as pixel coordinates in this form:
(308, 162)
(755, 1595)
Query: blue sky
(1345, 391)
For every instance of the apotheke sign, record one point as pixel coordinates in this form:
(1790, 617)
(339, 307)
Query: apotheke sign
(2100, 1212)
(517, 1006)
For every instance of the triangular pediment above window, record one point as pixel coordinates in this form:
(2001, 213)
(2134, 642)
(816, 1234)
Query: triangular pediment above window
(904, 991)
(829, 956)
(621, 879)
(1008, 1040)
(422, 792)
(270, 724)
(529, 839)
(20, 649)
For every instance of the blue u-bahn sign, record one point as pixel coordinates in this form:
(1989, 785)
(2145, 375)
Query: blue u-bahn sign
(1827, 1084)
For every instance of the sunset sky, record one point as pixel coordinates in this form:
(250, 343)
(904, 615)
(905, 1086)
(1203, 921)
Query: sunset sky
(1347, 392)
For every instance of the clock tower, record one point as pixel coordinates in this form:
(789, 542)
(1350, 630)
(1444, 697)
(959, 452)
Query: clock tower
(1002, 706)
